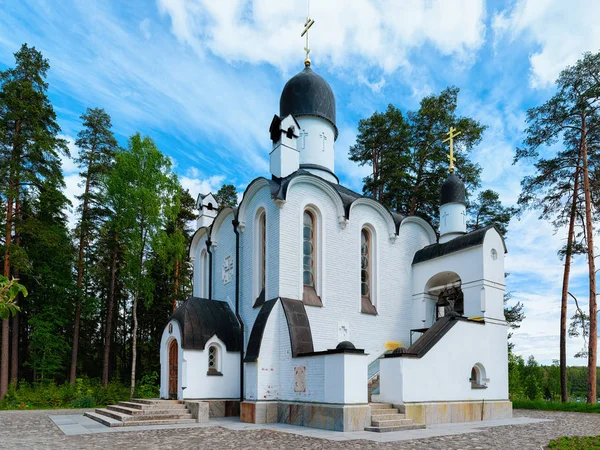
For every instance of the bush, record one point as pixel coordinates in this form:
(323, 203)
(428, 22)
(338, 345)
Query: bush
(84, 402)
(148, 387)
(575, 443)
(556, 406)
(85, 393)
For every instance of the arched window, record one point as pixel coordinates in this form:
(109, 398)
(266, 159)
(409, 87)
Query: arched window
(478, 379)
(366, 272)
(309, 259)
(204, 279)
(261, 257)
(213, 361)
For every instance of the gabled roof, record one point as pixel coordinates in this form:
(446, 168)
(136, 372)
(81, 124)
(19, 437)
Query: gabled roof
(472, 239)
(200, 319)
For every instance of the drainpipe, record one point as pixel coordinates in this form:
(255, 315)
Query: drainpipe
(210, 268)
(235, 223)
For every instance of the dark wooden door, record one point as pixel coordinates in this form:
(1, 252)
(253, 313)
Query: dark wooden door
(173, 369)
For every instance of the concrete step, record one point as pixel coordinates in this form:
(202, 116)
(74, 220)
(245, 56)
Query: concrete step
(156, 401)
(148, 412)
(143, 417)
(391, 422)
(414, 426)
(104, 420)
(376, 412)
(153, 406)
(133, 423)
(380, 405)
(387, 416)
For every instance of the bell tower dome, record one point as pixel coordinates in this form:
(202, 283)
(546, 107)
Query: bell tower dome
(309, 98)
(453, 209)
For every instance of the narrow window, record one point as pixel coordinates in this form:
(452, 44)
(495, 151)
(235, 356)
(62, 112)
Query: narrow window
(203, 291)
(365, 264)
(260, 251)
(366, 272)
(309, 263)
(309, 249)
(213, 361)
(263, 247)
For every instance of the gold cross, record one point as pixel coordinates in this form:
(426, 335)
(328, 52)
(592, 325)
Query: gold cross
(451, 135)
(309, 23)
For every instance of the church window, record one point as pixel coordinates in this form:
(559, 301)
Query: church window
(478, 379)
(260, 258)
(309, 259)
(365, 264)
(204, 278)
(263, 258)
(213, 361)
(308, 248)
(366, 272)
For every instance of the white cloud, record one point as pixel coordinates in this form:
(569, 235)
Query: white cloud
(197, 186)
(562, 30)
(145, 26)
(374, 32)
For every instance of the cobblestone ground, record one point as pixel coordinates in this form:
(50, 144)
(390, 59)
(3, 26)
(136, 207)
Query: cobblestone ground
(33, 429)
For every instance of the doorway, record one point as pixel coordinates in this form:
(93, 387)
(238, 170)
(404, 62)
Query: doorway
(173, 369)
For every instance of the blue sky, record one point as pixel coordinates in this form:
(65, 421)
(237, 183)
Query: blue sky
(203, 79)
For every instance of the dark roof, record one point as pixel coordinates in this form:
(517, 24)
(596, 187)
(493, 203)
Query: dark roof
(345, 344)
(308, 94)
(432, 336)
(200, 319)
(258, 329)
(453, 190)
(298, 326)
(472, 239)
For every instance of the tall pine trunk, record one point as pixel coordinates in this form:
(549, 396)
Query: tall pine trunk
(176, 284)
(4, 363)
(593, 335)
(110, 308)
(82, 243)
(565, 289)
(14, 357)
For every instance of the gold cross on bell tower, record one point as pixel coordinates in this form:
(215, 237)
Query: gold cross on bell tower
(451, 135)
(309, 23)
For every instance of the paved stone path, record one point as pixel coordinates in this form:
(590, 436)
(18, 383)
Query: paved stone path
(35, 430)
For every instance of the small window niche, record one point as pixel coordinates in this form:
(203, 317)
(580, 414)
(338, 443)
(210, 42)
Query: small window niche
(214, 361)
(478, 378)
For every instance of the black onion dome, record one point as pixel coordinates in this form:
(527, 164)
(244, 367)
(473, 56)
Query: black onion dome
(308, 94)
(345, 345)
(453, 190)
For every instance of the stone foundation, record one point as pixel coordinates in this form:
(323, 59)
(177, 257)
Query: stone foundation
(198, 409)
(220, 407)
(452, 412)
(314, 415)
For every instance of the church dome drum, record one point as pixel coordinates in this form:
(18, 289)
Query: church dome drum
(453, 190)
(308, 94)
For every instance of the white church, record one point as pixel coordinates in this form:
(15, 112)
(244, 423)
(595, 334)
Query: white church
(308, 293)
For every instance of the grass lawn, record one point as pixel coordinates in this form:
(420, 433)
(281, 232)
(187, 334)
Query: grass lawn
(556, 406)
(575, 443)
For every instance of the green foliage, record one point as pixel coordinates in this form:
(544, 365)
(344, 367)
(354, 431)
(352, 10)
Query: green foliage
(546, 405)
(530, 381)
(575, 443)
(488, 210)
(226, 196)
(85, 393)
(9, 290)
(407, 154)
(148, 387)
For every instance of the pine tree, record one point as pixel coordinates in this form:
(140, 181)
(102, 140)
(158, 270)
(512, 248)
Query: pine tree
(408, 156)
(562, 186)
(29, 153)
(97, 146)
(226, 196)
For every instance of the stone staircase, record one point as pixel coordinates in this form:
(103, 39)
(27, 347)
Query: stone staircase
(142, 412)
(384, 417)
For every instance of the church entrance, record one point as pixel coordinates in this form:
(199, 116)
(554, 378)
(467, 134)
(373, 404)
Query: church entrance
(173, 369)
